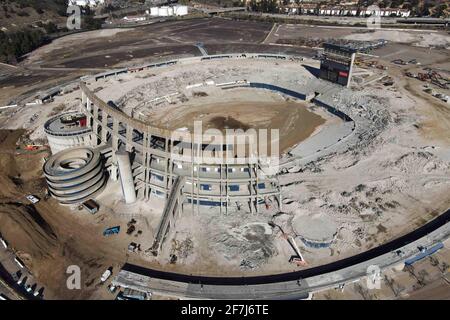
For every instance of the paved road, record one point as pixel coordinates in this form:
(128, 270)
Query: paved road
(293, 285)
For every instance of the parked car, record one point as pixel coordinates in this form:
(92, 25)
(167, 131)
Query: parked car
(33, 199)
(19, 262)
(4, 243)
(106, 275)
(22, 281)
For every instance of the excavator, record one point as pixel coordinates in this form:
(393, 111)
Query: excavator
(298, 257)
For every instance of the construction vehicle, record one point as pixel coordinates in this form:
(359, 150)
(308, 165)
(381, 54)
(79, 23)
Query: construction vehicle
(111, 231)
(298, 257)
(399, 62)
(33, 199)
(112, 288)
(423, 76)
(132, 247)
(298, 260)
(33, 147)
(91, 206)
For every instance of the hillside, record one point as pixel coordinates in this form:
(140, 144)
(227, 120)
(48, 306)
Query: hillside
(18, 14)
(27, 24)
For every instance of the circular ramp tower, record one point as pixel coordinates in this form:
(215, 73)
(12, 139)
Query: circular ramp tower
(75, 175)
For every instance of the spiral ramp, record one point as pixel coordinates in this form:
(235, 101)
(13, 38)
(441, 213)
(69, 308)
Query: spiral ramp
(75, 175)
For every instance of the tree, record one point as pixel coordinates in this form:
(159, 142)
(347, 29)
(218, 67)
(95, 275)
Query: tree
(395, 288)
(420, 278)
(434, 261)
(363, 292)
(444, 267)
(91, 23)
(50, 27)
(439, 11)
(14, 45)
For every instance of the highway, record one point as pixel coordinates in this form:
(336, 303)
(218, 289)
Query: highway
(292, 285)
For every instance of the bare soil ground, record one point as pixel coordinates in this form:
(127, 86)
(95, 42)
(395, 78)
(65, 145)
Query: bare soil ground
(293, 120)
(423, 38)
(46, 236)
(80, 54)
(144, 41)
(49, 237)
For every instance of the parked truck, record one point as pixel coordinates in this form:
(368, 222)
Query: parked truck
(106, 275)
(111, 231)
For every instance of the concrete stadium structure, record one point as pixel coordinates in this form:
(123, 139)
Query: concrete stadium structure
(158, 159)
(68, 130)
(180, 166)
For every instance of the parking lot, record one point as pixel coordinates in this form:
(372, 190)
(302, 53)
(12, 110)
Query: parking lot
(16, 282)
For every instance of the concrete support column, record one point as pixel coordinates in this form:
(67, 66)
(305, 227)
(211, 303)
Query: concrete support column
(148, 143)
(89, 112)
(96, 124)
(170, 165)
(144, 162)
(104, 127)
(126, 176)
(129, 137)
(115, 147)
(83, 102)
(350, 72)
(166, 164)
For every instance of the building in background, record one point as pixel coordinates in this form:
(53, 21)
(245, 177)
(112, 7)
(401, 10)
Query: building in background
(83, 3)
(166, 11)
(336, 64)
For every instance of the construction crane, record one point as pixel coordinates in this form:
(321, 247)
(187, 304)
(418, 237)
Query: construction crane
(298, 258)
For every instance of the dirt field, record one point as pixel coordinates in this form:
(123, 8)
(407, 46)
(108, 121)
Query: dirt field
(176, 36)
(86, 53)
(49, 237)
(294, 122)
(423, 38)
(249, 47)
(392, 167)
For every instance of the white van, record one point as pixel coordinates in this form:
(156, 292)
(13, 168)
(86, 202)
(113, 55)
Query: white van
(106, 275)
(4, 244)
(33, 199)
(19, 262)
